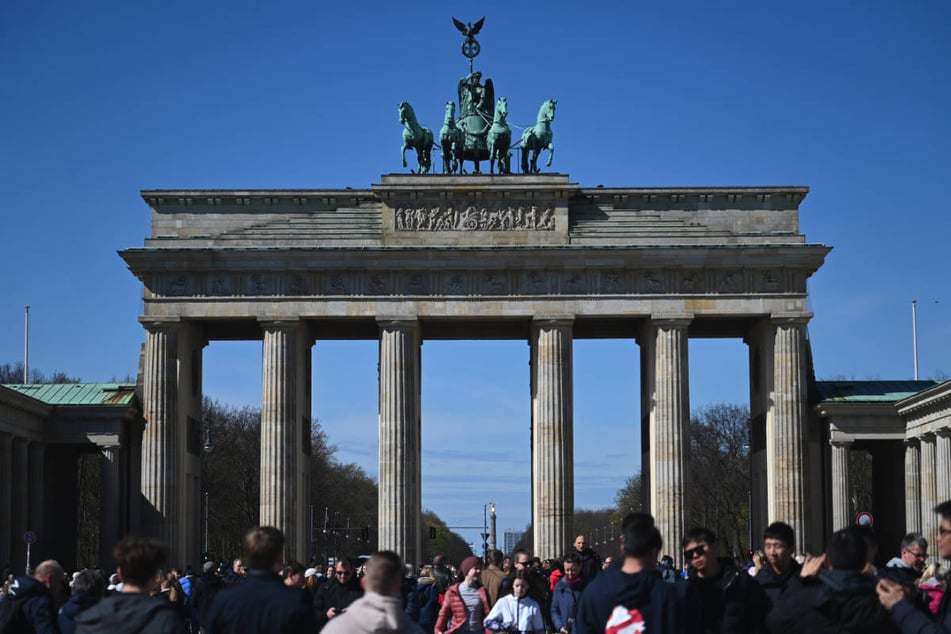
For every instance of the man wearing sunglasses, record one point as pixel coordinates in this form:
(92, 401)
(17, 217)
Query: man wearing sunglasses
(718, 596)
(338, 594)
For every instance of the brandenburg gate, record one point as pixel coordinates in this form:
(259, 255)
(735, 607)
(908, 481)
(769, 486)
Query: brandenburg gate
(532, 257)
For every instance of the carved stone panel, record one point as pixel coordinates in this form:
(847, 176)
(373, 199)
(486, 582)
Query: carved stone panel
(496, 217)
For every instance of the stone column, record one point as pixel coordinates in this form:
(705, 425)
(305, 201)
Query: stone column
(160, 437)
(929, 490)
(912, 485)
(280, 504)
(19, 506)
(552, 436)
(665, 346)
(400, 501)
(6, 493)
(37, 492)
(942, 469)
(785, 429)
(109, 505)
(841, 492)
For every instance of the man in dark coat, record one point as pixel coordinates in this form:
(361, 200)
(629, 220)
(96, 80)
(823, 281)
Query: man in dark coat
(38, 598)
(840, 599)
(719, 597)
(442, 574)
(261, 603)
(89, 587)
(206, 587)
(590, 561)
(133, 609)
(780, 570)
(567, 594)
(899, 600)
(337, 594)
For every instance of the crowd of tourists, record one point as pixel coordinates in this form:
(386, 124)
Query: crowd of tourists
(634, 590)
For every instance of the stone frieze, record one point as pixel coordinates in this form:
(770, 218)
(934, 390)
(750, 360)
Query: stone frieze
(472, 218)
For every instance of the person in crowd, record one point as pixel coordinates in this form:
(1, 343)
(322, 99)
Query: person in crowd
(834, 594)
(607, 563)
(205, 589)
(516, 612)
(910, 562)
(589, 559)
(492, 576)
(294, 575)
(261, 603)
(380, 610)
(780, 569)
(236, 573)
(567, 594)
(37, 598)
(539, 589)
(719, 597)
(169, 588)
(139, 561)
(443, 574)
(466, 603)
(932, 585)
(337, 595)
(422, 606)
(899, 599)
(311, 580)
(632, 596)
(667, 570)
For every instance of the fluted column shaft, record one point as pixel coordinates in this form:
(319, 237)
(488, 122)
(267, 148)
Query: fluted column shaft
(942, 468)
(929, 490)
(668, 388)
(6, 496)
(785, 429)
(109, 504)
(400, 501)
(159, 438)
(552, 437)
(841, 509)
(279, 503)
(19, 506)
(37, 483)
(912, 486)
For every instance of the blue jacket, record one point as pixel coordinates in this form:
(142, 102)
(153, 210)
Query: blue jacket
(645, 591)
(72, 608)
(37, 606)
(564, 602)
(261, 603)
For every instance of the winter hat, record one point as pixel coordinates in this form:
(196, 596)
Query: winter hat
(469, 563)
(310, 572)
(208, 567)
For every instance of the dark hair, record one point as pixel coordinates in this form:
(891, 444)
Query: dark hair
(697, 534)
(91, 582)
(847, 549)
(522, 574)
(295, 568)
(495, 557)
(781, 531)
(263, 547)
(139, 558)
(573, 558)
(640, 535)
(944, 510)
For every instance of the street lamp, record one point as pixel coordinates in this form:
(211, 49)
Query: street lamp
(206, 449)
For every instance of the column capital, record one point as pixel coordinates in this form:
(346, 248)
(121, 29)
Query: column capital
(398, 323)
(841, 442)
(790, 319)
(278, 323)
(160, 324)
(944, 432)
(912, 442)
(671, 319)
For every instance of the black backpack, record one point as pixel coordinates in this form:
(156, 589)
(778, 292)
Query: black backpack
(11, 614)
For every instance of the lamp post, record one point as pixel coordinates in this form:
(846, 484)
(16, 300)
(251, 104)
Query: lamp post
(207, 449)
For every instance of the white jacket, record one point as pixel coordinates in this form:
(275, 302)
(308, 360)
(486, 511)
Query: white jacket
(523, 613)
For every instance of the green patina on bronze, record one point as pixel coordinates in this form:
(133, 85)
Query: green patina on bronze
(481, 132)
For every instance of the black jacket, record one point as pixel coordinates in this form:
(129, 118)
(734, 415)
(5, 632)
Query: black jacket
(36, 604)
(261, 603)
(732, 602)
(590, 563)
(335, 595)
(203, 593)
(130, 612)
(77, 604)
(774, 584)
(834, 601)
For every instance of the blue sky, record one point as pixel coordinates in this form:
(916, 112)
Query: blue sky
(102, 99)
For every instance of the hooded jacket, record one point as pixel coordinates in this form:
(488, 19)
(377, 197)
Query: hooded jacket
(614, 591)
(730, 602)
(130, 612)
(834, 601)
(373, 614)
(77, 604)
(36, 604)
(422, 604)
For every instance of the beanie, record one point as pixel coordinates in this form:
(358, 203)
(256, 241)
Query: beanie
(469, 563)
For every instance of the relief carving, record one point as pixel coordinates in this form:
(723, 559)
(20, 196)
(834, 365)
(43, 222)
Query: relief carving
(471, 218)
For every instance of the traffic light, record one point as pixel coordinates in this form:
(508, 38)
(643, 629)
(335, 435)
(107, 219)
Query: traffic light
(432, 532)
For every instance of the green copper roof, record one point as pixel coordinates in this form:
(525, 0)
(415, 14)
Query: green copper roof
(869, 391)
(118, 394)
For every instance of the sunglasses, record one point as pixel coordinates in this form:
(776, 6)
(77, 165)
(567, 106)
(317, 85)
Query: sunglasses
(699, 551)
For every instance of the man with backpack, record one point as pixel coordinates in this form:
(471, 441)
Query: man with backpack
(633, 594)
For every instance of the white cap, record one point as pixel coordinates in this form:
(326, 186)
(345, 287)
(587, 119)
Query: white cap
(310, 572)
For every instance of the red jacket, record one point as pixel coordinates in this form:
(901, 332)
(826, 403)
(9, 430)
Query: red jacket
(453, 607)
